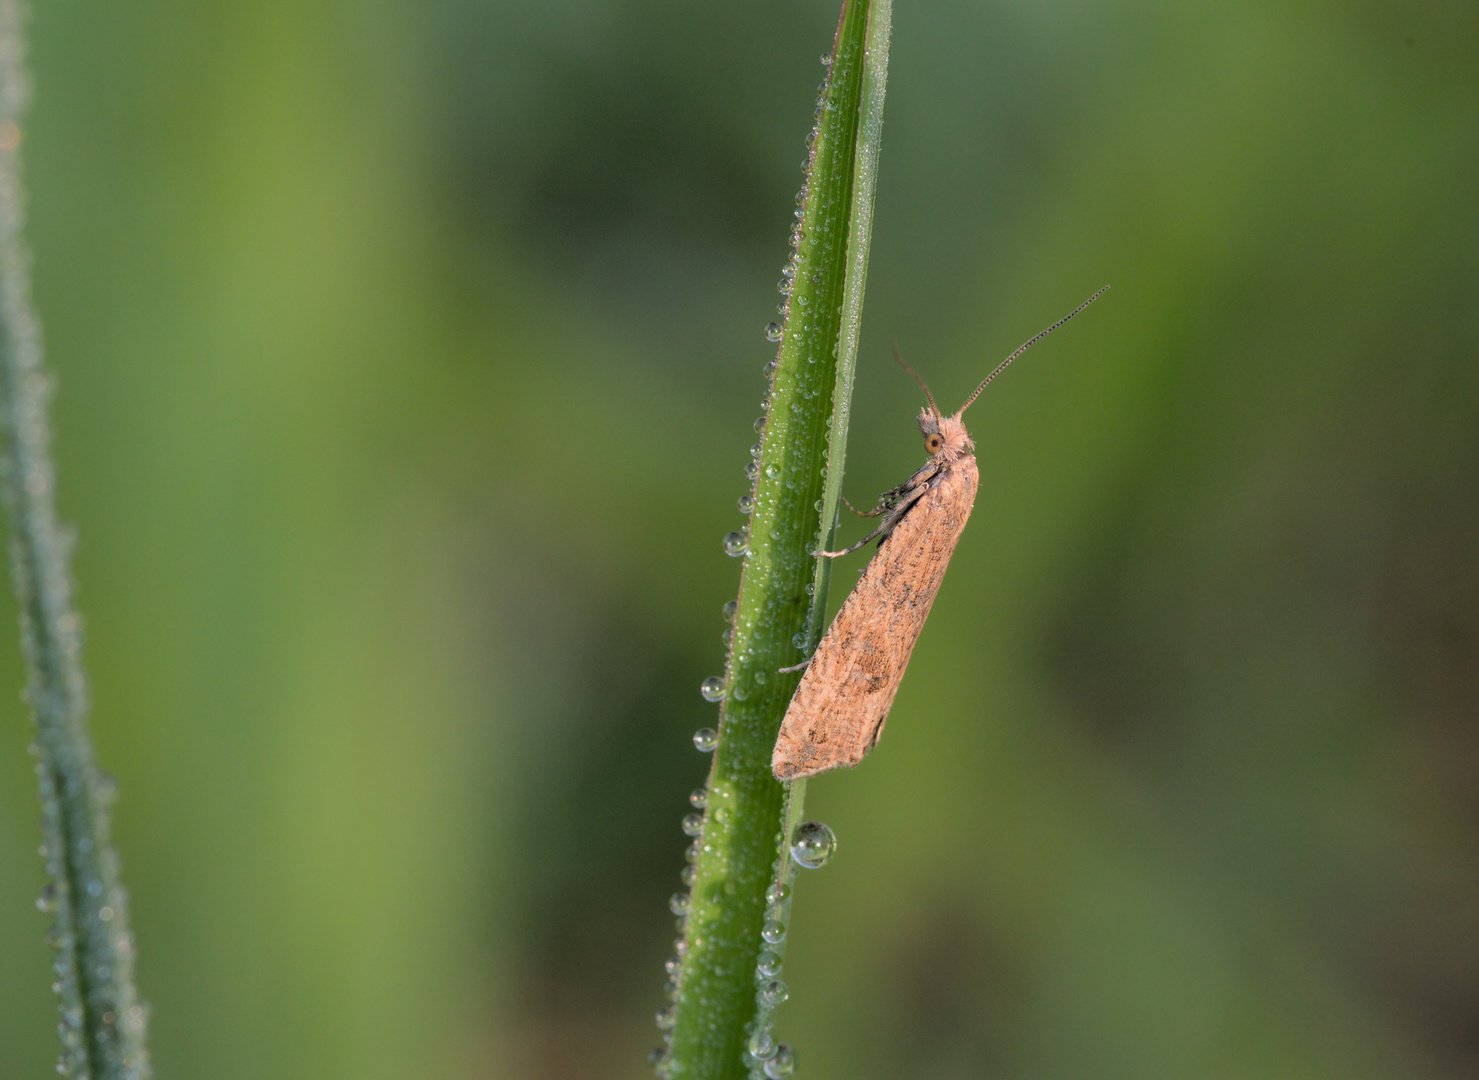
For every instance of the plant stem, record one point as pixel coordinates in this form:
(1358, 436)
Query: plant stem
(102, 1023)
(783, 587)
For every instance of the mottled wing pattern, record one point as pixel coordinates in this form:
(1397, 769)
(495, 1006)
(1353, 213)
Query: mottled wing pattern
(838, 712)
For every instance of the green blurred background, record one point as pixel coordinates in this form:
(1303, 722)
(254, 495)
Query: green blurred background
(408, 356)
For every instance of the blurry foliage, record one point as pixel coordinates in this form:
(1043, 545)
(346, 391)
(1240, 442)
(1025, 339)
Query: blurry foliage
(408, 355)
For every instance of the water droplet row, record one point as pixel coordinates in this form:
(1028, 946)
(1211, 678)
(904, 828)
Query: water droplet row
(775, 1061)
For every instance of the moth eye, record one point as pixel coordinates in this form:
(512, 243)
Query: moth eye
(932, 443)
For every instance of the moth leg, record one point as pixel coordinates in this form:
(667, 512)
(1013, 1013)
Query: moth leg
(795, 667)
(881, 508)
(895, 512)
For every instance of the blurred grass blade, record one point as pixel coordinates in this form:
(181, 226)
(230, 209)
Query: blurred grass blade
(783, 589)
(102, 1022)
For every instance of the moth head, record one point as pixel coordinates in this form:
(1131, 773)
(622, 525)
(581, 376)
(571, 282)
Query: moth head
(944, 436)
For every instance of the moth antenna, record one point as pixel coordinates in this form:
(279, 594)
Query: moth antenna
(1003, 366)
(928, 396)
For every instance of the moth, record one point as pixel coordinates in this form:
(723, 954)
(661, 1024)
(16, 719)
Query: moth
(838, 711)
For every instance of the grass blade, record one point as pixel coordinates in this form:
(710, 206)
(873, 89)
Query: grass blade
(102, 1023)
(783, 588)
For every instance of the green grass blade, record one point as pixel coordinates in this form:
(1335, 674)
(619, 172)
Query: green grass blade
(102, 1022)
(783, 588)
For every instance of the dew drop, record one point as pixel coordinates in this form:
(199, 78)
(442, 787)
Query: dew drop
(760, 677)
(666, 1018)
(706, 738)
(772, 470)
(762, 1046)
(814, 845)
(783, 1064)
(811, 588)
(730, 607)
(773, 331)
(769, 964)
(672, 965)
(686, 875)
(746, 504)
(774, 931)
(678, 903)
(46, 900)
(799, 640)
(759, 423)
(691, 853)
(740, 693)
(657, 1056)
(712, 689)
(700, 797)
(728, 635)
(777, 893)
(752, 469)
(774, 992)
(765, 403)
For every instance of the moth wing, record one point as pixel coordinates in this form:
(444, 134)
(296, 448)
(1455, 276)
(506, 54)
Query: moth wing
(838, 711)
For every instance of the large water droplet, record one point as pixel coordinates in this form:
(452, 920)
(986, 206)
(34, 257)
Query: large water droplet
(752, 469)
(706, 738)
(735, 543)
(762, 1046)
(746, 504)
(712, 688)
(759, 423)
(773, 331)
(678, 903)
(686, 875)
(730, 607)
(782, 1065)
(799, 640)
(774, 931)
(814, 844)
(693, 824)
(774, 992)
(769, 964)
(772, 470)
(728, 635)
(700, 797)
(777, 893)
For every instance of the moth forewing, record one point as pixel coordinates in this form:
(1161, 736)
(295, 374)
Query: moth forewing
(838, 712)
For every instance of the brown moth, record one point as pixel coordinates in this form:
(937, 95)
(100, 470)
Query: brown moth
(838, 711)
